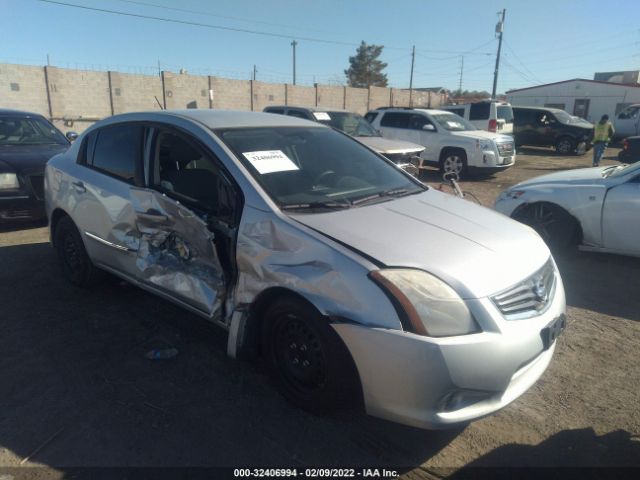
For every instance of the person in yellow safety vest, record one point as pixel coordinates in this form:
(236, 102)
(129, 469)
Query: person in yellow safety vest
(601, 136)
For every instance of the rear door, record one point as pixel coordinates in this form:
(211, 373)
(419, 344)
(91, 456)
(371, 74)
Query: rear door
(621, 217)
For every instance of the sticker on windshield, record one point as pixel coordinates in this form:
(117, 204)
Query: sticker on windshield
(270, 161)
(320, 116)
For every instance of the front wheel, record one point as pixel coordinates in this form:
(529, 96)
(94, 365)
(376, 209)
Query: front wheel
(308, 361)
(565, 146)
(453, 162)
(555, 225)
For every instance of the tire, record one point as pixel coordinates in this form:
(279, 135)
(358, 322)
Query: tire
(74, 261)
(453, 161)
(554, 224)
(565, 146)
(308, 361)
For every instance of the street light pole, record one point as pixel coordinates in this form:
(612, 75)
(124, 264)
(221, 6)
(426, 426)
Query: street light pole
(413, 58)
(499, 30)
(293, 44)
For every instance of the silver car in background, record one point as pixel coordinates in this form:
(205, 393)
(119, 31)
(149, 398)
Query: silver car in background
(354, 281)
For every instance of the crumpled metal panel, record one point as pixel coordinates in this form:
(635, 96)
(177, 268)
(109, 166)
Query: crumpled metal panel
(273, 253)
(176, 251)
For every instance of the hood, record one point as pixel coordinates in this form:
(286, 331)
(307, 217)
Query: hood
(386, 145)
(577, 176)
(498, 137)
(22, 158)
(477, 251)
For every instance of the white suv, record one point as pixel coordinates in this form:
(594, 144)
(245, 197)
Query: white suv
(452, 144)
(489, 115)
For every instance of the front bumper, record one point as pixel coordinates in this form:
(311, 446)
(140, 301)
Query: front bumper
(20, 206)
(442, 382)
(490, 161)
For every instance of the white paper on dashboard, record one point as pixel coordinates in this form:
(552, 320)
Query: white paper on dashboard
(321, 116)
(270, 161)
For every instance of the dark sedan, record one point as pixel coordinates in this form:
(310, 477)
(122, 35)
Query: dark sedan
(27, 141)
(630, 152)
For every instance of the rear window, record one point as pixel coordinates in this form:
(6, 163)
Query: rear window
(371, 116)
(480, 111)
(505, 112)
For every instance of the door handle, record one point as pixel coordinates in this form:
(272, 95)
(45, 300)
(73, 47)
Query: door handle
(79, 187)
(153, 215)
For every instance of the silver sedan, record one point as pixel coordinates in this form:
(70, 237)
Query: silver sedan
(356, 283)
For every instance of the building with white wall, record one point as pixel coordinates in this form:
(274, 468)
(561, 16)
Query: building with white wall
(589, 99)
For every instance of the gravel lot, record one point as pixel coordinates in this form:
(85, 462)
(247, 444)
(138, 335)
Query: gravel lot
(72, 366)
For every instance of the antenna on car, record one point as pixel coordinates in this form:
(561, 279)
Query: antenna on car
(159, 104)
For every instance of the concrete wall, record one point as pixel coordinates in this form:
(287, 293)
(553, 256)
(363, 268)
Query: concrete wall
(78, 98)
(23, 87)
(133, 93)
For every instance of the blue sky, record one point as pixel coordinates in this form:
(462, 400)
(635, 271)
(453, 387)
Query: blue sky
(545, 40)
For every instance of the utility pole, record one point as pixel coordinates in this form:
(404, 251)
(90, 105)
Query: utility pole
(499, 30)
(293, 44)
(159, 69)
(413, 59)
(255, 70)
(48, 60)
(461, 72)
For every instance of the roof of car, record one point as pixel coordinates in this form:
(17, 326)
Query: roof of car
(545, 109)
(233, 119)
(9, 111)
(405, 109)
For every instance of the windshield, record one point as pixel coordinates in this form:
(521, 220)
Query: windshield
(316, 168)
(564, 117)
(619, 170)
(452, 122)
(351, 124)
(29, 131)
(505, 112)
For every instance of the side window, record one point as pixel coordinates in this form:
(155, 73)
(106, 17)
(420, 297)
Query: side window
(118, 151)
(275, 110)
(417, 122)
(395, 120)
(479, 111)
(182, 169)
(86, 149)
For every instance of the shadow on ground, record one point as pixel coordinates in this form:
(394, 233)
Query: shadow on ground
(602, 283)
(16, 226)
(73, 366)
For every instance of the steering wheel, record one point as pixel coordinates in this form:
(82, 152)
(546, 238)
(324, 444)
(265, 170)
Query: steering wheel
(324, 178)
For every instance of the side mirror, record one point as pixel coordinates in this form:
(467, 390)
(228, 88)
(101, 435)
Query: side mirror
(429, 128)
(71, 136)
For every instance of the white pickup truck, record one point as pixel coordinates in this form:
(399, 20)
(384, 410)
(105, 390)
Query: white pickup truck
(451, 143)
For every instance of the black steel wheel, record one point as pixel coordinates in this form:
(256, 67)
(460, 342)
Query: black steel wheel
(308, 361)
(555, 225)
(565, 146)
(74, 261)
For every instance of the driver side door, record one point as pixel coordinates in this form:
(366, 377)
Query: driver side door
(621, 217)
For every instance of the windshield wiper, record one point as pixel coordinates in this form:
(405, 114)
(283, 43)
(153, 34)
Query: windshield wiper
(399, 192)
(609, 170)
(317, 205)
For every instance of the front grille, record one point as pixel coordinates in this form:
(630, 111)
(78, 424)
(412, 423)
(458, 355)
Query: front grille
(37, 185)
(530, 297)
(505, 149)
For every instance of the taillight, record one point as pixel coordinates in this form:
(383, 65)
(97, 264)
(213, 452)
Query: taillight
(493, 125)
(625, 144)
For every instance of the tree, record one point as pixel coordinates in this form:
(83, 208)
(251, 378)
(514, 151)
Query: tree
(365, 70)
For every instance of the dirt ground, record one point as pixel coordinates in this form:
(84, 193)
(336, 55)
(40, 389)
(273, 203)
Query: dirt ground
(77, 391)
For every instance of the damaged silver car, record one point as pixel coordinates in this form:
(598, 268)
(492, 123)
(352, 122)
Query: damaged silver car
(354, 281)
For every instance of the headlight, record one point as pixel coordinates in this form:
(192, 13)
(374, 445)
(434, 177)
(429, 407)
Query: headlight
(433, 308)
(9, 181)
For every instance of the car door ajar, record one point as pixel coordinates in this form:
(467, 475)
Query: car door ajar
(621, 217)
(184, 221)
